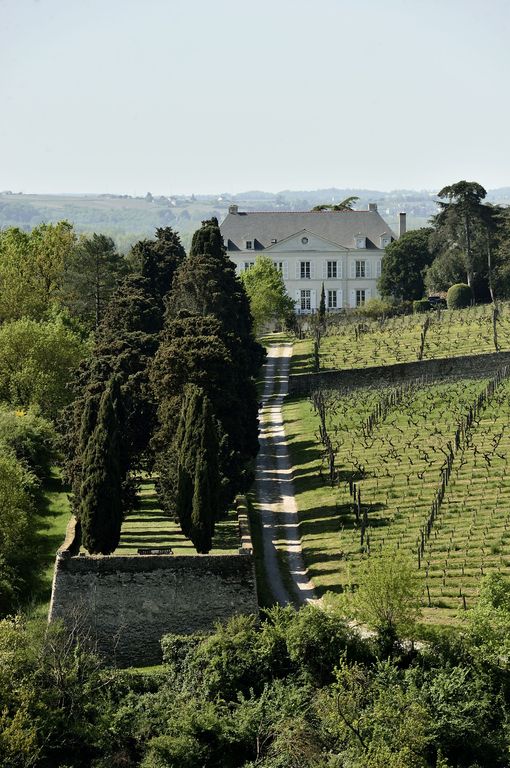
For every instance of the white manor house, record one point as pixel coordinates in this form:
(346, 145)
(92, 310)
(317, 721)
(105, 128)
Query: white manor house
(342, 249)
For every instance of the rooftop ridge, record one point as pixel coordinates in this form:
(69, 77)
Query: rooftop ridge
(300, 213)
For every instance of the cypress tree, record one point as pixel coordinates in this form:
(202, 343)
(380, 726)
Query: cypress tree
(196, 350)
(322, 306)
(101, 493)
(126, 341)
(206, 284)
(198, 477)
(188, 444)
(208, 340)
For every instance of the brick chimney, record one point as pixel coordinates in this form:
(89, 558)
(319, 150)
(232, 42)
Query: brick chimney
(402, 224)
(233, 209)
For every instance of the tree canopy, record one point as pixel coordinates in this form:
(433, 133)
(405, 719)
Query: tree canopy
(404, 266)
(93, 269)
(269, 301)
(464, 229)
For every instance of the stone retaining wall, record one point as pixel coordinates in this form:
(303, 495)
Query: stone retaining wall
(468, 366)
(127, 603)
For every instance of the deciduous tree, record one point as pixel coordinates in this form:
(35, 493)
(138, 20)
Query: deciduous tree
(404, 265)
(269, 301)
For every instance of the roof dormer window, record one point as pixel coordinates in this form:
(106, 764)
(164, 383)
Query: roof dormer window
(249, 245)
(361, 241)
(385, 241)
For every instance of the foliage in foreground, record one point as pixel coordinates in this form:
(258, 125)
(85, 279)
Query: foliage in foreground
(265, 287)
(301, 689)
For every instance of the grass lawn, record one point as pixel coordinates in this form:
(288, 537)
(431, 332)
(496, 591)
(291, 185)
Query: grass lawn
(148, 526)
(51, 523)
(397, 470)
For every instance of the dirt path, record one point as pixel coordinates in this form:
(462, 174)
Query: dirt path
(275, 501)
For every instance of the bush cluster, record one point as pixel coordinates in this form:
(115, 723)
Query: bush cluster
(421, 305)
(459, 296)
(298, 690)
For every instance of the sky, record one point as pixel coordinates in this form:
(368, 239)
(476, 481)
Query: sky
(210, 96)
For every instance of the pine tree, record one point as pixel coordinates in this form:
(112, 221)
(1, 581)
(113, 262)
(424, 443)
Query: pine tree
(92, 272)
(101, 493)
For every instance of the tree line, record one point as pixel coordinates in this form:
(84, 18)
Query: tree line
(168, 388)
(468, 242)
(114, 366)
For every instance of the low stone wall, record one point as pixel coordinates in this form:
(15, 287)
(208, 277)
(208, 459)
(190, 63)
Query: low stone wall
(467, 366)
(127, 603)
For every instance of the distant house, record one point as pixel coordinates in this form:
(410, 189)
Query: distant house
(342, 249)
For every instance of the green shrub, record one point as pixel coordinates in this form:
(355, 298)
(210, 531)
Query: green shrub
(375, 308)
(30, 437)
(38, 362)
(16, 535)
(459, 296)
(421, 305)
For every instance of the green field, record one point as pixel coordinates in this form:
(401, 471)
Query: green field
(353, 342)
(397, 468)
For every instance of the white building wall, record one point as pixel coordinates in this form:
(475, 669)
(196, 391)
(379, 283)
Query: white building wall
(289, 257)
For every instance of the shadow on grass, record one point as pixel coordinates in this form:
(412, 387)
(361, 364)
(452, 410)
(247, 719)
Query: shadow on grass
(301, 363)
(50, 510)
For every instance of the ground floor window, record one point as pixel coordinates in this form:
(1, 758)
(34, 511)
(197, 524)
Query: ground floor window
(306, 301)
(332, 300)
(248, 265)
(360, 298)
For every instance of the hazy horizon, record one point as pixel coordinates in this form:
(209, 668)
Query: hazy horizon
(170, 97)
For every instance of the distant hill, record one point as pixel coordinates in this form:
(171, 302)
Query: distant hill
(128, 219)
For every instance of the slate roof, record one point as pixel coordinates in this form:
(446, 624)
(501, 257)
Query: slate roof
(339, 227)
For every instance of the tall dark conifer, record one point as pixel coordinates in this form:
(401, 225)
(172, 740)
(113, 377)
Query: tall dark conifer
(198, 478)
(322, 306)
(208, 340)
(100, 510)
(126, 341)
(206, 284)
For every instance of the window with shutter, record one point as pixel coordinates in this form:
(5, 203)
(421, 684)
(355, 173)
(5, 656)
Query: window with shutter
(361, 268)
(332, 270)
(305, 270)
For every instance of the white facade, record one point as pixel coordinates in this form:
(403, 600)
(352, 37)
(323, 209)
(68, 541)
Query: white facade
(349, 270)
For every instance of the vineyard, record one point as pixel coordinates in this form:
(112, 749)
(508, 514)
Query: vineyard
(423, 467)
(351, 342)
